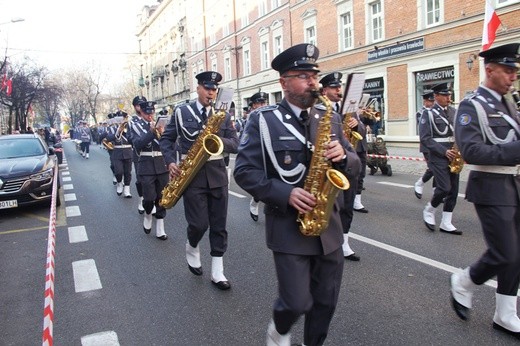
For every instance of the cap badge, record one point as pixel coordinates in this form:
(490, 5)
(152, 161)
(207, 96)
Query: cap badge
(213, 76)
(310, 50)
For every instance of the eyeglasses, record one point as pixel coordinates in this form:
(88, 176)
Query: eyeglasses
(302, 76)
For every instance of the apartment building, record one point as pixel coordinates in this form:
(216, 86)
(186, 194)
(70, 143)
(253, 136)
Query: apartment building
(402, 47)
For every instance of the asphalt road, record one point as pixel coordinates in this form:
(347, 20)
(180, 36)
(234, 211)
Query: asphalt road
(137, 290)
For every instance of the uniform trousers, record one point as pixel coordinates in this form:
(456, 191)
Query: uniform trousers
(152, 186)
(138, 186)
(501, 228)
(123, 170)
(307, 285)
(110, 153)
(428, 174)
(203, 208)
(446, 186)
(85, 147)
(363, 158)
(347, 209)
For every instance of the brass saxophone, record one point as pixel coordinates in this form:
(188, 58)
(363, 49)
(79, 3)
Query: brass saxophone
(322, 180)
(457, 163)
(206, 144)
(352, 136)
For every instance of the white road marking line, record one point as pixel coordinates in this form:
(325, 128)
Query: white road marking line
(86, 277)
(236, 194)
(68, 186)
(461, 195)
(66, 178)
(65, 173)
(72, 211)
(103, 338)
(69, 197)
(411, 255)
(77, 234)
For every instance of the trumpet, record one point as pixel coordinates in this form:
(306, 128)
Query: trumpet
(369, 111)
(122, 128)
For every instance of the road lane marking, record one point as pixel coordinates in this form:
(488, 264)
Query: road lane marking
(68, 186)
(24, 230)
(461, 195)
(66, 178)
(65, 173)
(34, 216)
(413, 256)
(236, 194)
(72, 211)
(69, 197)
(86, 277)
(77, 234)
(103, 338)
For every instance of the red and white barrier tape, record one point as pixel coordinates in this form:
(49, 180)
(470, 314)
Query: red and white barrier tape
(396, 157)
(48, 310)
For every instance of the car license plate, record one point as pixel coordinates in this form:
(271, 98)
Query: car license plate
(8, 204)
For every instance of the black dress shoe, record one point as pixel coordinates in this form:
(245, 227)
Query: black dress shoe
(195, 271)
(353, 257)
(430, 226)
(140, 211)
(253, 216)
(499, 327)
(163, 237)
(456, 232)
(417, 194)
(362, 210)
(146, 230)
(222, 285)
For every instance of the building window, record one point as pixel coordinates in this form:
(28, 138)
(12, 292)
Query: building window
(262, 7)
(433, 12)
(264, 55)
(376, 21)
(346, 28)
(310, 35)
(247, 62)
(227, 69)
(275, 4)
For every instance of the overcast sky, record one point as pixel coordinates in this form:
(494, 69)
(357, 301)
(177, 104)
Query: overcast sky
(61, 33)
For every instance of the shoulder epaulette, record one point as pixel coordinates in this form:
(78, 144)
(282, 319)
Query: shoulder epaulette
(320, 106)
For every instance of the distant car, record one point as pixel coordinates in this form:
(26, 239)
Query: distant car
(26, 171)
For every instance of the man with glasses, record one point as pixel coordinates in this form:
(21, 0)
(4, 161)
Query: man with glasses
(206, 197)
(436, 134)
(273, 158)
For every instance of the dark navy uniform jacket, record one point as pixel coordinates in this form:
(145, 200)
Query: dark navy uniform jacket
(180, 134)
(271, 161)
(145, 140)
(437, 123)
(124, 139)
(476, 148)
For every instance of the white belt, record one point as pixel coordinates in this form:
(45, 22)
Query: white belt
(444, 140)
(123, 146)
(211, 158)
(150, 153)
(515, 170)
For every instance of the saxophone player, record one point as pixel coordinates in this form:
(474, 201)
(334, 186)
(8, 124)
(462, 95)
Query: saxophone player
(206, 197)
(436, 134)
(487, 131)
(331, 84)
(273, 158)
(151, 169)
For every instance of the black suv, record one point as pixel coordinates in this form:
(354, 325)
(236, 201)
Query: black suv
(26, 170)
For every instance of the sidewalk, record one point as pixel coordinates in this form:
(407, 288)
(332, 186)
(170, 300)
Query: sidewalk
(409, 166)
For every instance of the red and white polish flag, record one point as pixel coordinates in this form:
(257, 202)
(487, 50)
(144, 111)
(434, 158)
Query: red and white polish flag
(491, 24)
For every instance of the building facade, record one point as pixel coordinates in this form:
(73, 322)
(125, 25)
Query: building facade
(402, 49)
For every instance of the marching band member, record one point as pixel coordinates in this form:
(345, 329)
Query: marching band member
(273, 157)
(206, 197)
(331, 84)
(122, 155)
(257, 100)
(436, 134)
(428, 101)
(151, 169)
(85, 138)
(135, 157)
(487, 131)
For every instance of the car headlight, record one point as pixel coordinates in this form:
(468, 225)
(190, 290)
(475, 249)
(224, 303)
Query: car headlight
(44, 175)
